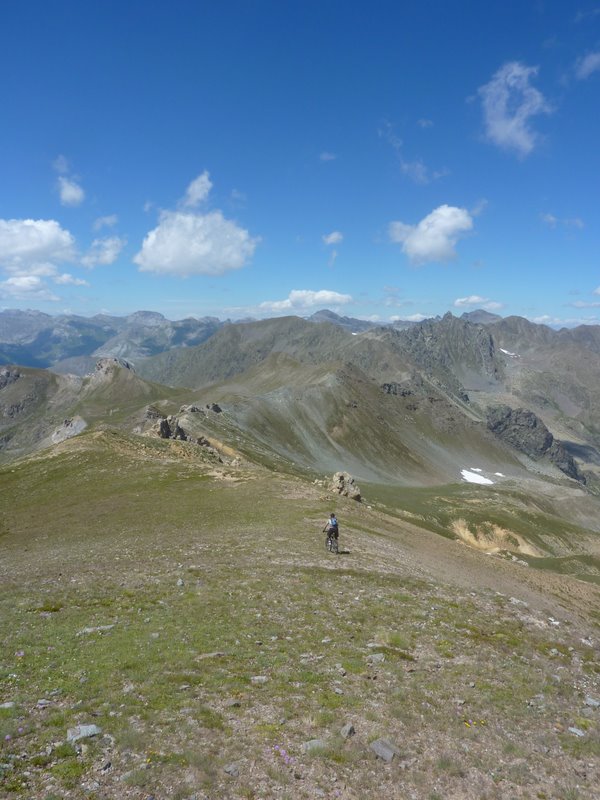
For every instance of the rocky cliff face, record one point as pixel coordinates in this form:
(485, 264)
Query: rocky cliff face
(527, 433)
(453, 351)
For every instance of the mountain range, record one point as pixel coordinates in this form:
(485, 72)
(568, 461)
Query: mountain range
(487, 404)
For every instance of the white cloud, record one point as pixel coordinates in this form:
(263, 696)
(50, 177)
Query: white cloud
(435, 236)
(588, 65)
(195, 244)
(424, 123)
(303, 299)
(472, 300)
(71, 193)
(559, 322)
(584, 304)
(568, 222)
(325, 156)
(27, 244)
(477, 300)
(103, 252)
(26, 287)
(335, 237)
(509, 103)
(197, 191)
(105, 222)
(68, 280)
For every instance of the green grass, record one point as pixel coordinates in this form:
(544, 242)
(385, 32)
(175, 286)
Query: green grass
(170, 683)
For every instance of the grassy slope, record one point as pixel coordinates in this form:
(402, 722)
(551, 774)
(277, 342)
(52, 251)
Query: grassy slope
(476, 689)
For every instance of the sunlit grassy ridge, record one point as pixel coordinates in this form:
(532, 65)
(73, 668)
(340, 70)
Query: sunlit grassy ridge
(143, 591)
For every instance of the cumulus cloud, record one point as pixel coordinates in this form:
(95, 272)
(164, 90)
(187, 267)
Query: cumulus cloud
(186, 242)
(71, 193)
(335, 237)
(25, 244)
(509, 103)
(68, 280)
(105, 222)
(304, 299)
(103, 252)
(197, 191)
(30, 251)
(435, 236)
(26, 287)
(477, 300)
(195, 244)
(587, 65)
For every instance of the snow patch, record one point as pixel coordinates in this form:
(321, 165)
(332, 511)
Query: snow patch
(499, 474)
(473, 477)
(508, 353)
(475, 469)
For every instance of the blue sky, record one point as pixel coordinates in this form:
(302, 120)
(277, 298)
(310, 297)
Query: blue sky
(383, 159)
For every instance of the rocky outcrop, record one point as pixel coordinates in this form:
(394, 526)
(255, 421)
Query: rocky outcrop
(68, 429)
(8, 375)
(153, 413)
(525, 431)
(105, 365)
(397, 389)
(344, 484)
(169, 428)
(191, 410)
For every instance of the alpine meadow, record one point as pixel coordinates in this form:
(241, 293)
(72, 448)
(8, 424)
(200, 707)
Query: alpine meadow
(299, 400)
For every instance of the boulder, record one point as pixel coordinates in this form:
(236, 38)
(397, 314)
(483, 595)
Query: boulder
(344, 484)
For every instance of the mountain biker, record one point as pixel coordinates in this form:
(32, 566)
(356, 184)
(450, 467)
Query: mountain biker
(332, 528)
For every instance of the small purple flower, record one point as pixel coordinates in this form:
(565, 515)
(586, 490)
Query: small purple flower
(8, 737)
(21, 730)
(20, 653)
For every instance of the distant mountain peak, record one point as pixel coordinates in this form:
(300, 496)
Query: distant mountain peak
(480, 316)
(147, 317)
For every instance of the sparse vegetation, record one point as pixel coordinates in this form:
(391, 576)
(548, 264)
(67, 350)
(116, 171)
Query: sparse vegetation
(144, 594)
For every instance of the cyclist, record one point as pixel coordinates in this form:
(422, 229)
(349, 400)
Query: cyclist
(332, 530)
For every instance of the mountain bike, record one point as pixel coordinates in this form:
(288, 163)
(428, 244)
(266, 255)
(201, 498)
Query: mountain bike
(331, 542)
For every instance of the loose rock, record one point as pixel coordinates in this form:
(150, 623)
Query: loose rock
(82, 732)
(384, 750)
(347, 731)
